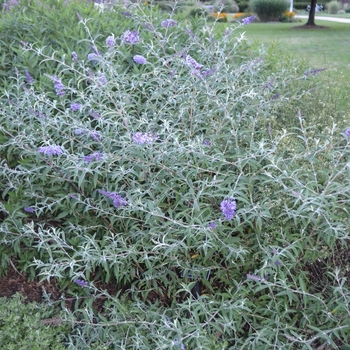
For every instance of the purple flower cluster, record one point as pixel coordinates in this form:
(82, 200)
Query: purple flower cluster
(95, 135)
(93, 157)
(59, 87)
(74, 56)
(102, 78)
(196, 67)
(212, 225)
(81, 283)
(141, 138)
(206, 143)
(228, 208)
(76, 106)
(110, 42)
(93, 57)
(168, 23)
(79, 131)
(208, 72)
(117, 200)
(248, 20)
(131, 37)
(139, 59)
(191, 62)
(29, 78)
(94, 114)
(347, 132)
(53, 150)
(29, 209)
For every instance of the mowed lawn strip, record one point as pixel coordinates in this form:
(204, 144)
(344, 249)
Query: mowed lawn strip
(321, 48)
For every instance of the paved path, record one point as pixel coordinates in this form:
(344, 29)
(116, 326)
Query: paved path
(319, 18)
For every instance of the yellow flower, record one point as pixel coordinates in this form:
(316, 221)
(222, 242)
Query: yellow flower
(289, 14)
(220, 15)
(238, 15)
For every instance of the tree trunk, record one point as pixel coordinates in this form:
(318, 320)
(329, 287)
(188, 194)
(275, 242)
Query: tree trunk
(311, 20)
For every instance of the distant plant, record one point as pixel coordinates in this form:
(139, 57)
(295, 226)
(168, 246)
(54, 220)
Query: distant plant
(227, 6)
(198, 12)
(288, 16)
(333, 7)
(269, 10)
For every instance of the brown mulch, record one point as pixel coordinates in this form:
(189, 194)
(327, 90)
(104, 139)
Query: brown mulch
(15, 282)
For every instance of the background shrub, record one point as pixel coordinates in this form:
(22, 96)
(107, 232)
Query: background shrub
(269, 10)
(243, 5)
(227, 6)
(333, 7)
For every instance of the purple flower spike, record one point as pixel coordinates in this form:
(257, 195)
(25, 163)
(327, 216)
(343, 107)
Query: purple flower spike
(74, 56)
(190, 61)
(81, 283)
(212, 225)
(228, 208)
(140, 138)
(75, 106)
(102, 78)
(59, 87)
(139, 59)
(94, 114)
(206, 143)
(93, 157)
(168, 23)
(110, 42)
(131, 37)
(29, 78)
(117, 200)
(79, 131)
(29, 209)
(248, 20)
(347, 132)
(53, 150)
(95, 135)
(93, 57)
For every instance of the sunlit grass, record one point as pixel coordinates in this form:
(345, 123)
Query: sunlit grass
(320, 48)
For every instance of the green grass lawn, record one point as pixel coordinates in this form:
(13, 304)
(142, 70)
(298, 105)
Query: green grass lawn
(321, 48)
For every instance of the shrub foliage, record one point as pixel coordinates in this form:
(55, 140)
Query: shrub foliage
(123, 167)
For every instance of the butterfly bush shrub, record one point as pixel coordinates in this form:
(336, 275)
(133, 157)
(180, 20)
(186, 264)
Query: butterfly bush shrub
(153, 163)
